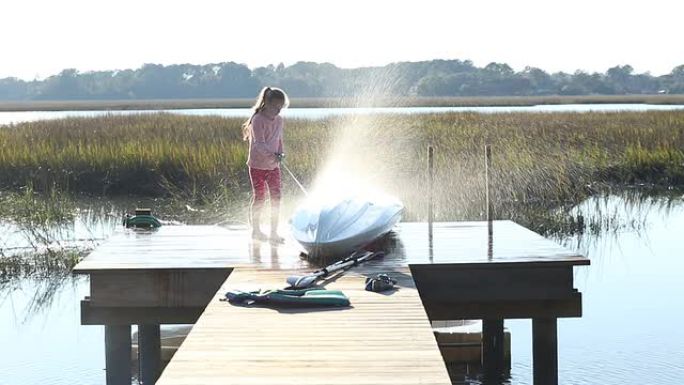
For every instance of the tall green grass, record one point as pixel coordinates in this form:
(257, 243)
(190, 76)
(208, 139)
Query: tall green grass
(537, 157)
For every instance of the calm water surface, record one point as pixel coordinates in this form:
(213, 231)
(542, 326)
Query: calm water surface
(318, 113)
(630, 332)
(633, 301)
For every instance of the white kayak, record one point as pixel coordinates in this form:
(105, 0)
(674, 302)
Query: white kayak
(338, 226)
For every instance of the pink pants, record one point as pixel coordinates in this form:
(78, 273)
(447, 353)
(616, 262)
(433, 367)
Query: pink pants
(262, 179)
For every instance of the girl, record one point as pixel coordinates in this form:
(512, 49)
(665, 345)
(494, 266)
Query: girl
(264, 131)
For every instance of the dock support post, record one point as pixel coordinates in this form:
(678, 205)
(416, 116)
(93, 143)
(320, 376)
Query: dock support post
(488, 201)
(118, 354)
(493, 348)
(545, 351)
(149, 353)
(430, 175)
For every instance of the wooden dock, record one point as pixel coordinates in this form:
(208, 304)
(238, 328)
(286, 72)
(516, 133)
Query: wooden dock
(380, 339)
(178, 273)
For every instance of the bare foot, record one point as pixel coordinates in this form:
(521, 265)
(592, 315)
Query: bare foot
(275, 238)
(259, 236)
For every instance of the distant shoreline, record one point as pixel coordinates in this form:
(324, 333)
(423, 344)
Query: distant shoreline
(172, 104)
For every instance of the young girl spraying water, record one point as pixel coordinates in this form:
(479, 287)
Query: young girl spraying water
(264, 131)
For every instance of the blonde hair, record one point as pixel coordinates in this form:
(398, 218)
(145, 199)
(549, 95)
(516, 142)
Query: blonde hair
(266, 95)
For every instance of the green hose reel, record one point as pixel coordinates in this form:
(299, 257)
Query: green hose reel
(142, 219)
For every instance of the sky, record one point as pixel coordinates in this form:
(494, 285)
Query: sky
(42, 37)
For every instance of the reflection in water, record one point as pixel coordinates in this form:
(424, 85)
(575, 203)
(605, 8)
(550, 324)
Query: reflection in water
(255, 252)
(260, 250)
(606, 217)
(274, 257)
(38, 294)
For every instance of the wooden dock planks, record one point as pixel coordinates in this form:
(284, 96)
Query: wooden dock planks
(380, 339)
(195, 247)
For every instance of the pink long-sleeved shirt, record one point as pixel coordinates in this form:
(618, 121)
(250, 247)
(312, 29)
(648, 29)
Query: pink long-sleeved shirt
(265, 140)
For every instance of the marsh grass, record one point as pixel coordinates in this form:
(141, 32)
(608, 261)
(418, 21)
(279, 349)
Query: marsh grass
(38, 220)
(40, 265)
(541, 158)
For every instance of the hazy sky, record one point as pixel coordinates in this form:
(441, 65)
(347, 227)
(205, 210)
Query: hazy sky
(42, 37)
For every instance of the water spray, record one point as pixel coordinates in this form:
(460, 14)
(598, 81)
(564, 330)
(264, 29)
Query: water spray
(294, 178)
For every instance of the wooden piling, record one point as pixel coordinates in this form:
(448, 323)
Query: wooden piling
(118, 354)
(149, 353)
(493, 352)
(488, 200)
(430, 192)
(492, 329)
(545, 351)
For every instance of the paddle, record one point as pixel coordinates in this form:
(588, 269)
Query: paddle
(304, 281)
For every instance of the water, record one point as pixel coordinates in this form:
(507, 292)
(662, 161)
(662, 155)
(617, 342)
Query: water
(48, 345)
(632, 302)
(629, 332)
(90, 226)
(11, 117)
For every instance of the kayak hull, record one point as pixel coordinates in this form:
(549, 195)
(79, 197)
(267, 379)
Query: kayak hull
(338, 228)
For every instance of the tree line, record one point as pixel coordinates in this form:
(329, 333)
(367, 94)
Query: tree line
(432, 78)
